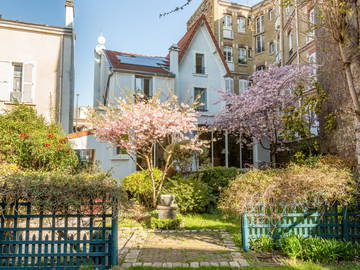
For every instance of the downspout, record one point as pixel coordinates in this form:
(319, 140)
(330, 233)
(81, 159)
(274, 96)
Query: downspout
(297, 32)
(108, 85)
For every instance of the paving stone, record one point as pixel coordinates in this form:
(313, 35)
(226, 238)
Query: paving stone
(214, 264)
(126, 265)
(167, 264)
(157, 264)
(234, 264)
(130, 260)
(204, 264)
(147, 264)
(243, 262)
(224, 264)
(137, 264)
(194, 264)
(185, 265)
(177, 264)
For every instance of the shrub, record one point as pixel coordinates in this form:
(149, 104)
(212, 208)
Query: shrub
(139, 185)
(7, 169)
(319, 249)
(191, 194)
(29, 142)
(218, 178)
(165, 224)
(59, 193)
(318, 186)
(264, 243)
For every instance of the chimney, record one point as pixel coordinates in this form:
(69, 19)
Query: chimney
(174, 64)
(70, 13)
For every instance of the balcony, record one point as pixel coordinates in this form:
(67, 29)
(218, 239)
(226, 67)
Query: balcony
(228, 33)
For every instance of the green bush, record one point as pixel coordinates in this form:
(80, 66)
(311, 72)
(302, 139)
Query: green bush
(191, 194)
(165, 224)
(28, 141)
(264, 243)
(217, 178)
(318, 249)
(139, 185)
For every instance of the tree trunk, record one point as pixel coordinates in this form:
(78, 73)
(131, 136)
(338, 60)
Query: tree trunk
(355, 100)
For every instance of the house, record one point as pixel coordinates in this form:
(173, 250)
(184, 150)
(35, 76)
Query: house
(194, 68)
(37, 67)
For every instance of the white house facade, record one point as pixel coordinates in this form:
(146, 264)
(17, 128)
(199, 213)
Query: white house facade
(37, 67)
(195, 68)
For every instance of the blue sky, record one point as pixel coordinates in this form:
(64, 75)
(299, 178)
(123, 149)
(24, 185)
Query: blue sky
(128, 25)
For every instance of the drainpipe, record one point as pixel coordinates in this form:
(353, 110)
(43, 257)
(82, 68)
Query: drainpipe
(107, 86)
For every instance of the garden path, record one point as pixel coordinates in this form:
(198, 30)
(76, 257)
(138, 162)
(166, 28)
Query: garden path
(186, 248)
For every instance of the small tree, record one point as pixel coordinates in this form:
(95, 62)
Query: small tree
(141, 126)
(258, 112)
(28, 141)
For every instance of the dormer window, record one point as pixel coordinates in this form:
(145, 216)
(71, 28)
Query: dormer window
(199, 63)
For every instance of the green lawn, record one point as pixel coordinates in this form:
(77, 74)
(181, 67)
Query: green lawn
(302, 266)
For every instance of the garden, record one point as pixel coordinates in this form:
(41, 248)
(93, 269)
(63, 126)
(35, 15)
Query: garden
(300, 214)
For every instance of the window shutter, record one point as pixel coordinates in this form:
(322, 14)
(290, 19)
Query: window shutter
(28, 85)
(5, 80)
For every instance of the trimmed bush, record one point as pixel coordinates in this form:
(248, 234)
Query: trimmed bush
(217, 178)
(139, 185)
(191, 194)
(318, 186)
(165, 224)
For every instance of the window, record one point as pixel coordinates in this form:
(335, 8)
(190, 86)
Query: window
(260, 67)
(290, 43)
(250, 52)
(270, 14)
(242, 56)
(241, 25)
(16, 94)
(288, 10)
(229, 85)
(260, 44)
(200, 96)
(228, 27)
(272, 47)
(311, 31)
(243, 85)
(120, 151)
(86, 155)
(143, 86)
(259, 24)
(199, 63)
(228, 53)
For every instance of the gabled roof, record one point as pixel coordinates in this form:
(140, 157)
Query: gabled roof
(138, 63)
(186, 40)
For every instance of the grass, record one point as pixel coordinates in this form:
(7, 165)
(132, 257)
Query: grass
(298, 266)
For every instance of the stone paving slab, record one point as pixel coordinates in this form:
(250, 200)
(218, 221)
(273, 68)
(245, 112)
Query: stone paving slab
(178, 248)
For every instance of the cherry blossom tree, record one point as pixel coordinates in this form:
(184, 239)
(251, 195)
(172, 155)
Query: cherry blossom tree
(257, 113)
(138, 127)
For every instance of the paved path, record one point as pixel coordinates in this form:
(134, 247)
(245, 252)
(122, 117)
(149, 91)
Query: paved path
(183, 248)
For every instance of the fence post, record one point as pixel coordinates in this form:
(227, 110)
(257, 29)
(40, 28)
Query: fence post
(345, 223)
(245, 232)
(114, 237)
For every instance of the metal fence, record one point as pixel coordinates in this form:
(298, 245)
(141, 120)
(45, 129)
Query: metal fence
(342, 225)
(57, 241)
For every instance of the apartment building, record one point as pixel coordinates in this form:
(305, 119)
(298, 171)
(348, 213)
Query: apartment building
(37, 67)
(254, 37)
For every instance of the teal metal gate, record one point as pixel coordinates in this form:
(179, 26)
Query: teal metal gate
(57, 241)
(342, 225)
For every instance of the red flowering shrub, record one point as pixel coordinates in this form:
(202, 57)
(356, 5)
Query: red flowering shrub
(29, 142)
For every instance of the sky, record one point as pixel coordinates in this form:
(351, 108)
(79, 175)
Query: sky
(128, 25)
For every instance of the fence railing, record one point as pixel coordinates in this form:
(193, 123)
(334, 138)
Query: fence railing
(342, 225)
(57, 241)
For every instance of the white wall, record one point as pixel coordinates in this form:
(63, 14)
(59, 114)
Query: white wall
(119, 165)
(213, 79)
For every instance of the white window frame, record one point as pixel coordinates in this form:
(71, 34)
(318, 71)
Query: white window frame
(312, 21)
(241, 26)
(244, 55)
(205, 105)
(228, 50)
(229, 85)
(243, 85)
(272, 47)
(204, 62)
(262, 45)
(260, 24)
(270, 14)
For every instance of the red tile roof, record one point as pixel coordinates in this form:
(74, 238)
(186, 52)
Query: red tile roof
(113, 57)
(185, 41)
